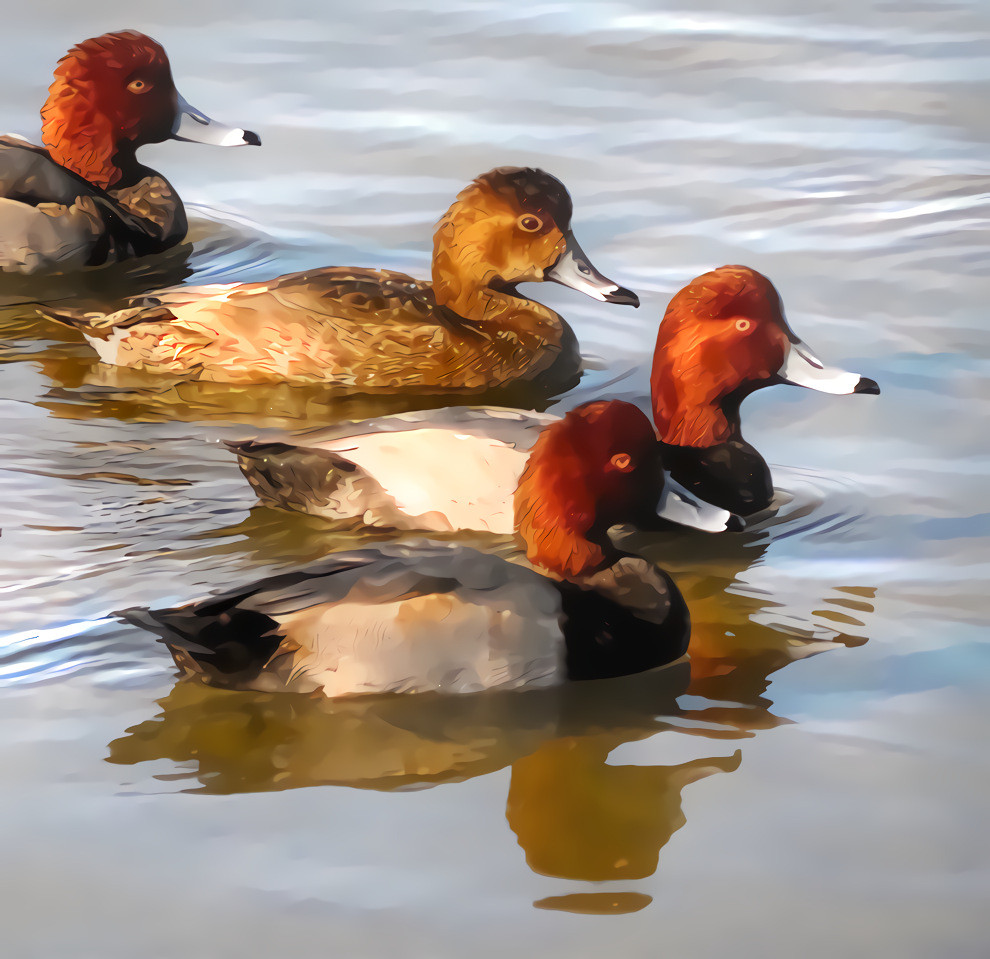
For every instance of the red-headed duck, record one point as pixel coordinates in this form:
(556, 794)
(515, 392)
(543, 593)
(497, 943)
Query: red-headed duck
(723, 337)
(443, 470)
(83, 199)
(452, 619)
(467, 331)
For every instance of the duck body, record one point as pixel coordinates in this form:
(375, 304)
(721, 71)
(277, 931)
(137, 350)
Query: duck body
(445, 470)
(466, 331)
(450, 469)
(359, 330)
(52, 220)
(82, 199)
(450, 618)
(442, 618)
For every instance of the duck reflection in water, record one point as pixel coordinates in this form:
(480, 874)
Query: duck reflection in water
(576, 817)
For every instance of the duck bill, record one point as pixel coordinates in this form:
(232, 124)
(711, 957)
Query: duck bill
(803, 368)
(574, 269)
(194, 126)
(678, 506)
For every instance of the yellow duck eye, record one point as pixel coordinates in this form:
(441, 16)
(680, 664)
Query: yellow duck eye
(623, 462)
(529, 223)
(139, 86)
(742, 325)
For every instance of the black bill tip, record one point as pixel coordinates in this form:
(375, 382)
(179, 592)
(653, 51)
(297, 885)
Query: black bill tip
(252, 139)
(735, 524)
(623, 296)
(866, 385)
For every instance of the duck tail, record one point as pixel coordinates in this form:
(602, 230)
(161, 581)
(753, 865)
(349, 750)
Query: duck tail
(220, 642)
(93, 322)
(78, 319)
(294, 477)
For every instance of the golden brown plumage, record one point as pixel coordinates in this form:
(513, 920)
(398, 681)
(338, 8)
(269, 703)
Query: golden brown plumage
(371, 330)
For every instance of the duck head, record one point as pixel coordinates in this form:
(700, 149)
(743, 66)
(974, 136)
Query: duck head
(113, 94)
(723, 337)
(598, 466)
(512, 225)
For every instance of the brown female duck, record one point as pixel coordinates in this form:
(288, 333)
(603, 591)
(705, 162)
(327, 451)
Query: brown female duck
(373, 330)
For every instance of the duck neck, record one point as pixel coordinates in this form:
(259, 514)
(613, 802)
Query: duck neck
(622, 619)
(125, 163)
(731, 475)
(686, 416)
(465, 282)
(704, 450)
(77, 135)
(566, 549)
(488, 306)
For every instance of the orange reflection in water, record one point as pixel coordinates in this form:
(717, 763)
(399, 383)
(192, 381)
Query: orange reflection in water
(577, 817)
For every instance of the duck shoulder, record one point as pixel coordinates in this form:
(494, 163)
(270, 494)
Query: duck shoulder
(54, 219)
(623, 619)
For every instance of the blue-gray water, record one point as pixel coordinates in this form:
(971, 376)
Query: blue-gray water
(772, 802)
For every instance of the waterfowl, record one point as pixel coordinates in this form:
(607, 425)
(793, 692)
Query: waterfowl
(370, 331)
(83, 199)
(453, 619)
(724, 336)
(441, 470)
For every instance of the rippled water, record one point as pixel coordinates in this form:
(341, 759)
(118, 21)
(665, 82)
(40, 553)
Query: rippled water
(763, 800)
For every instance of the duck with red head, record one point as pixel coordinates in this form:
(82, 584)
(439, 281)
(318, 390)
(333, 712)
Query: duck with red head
(83, 199)
(448, 618)
(723, 337)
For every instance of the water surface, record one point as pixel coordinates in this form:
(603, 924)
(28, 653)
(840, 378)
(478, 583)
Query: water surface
(813, 781)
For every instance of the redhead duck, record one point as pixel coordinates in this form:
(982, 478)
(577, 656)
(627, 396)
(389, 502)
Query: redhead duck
(723, 337)
(83, 199)
(372, 331)
(452, 619)
(444, 470)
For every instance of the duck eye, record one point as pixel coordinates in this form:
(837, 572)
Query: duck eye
(622, 462)
(529, 223)
(139, 86)
(742, 325)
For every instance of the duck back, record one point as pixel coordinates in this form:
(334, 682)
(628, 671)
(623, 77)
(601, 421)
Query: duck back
(399, 619)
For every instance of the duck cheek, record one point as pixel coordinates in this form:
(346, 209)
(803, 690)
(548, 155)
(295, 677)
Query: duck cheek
(528, 259)
(763, 357)
(154, 126)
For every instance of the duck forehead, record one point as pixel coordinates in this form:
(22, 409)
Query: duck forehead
(529, 190)
(118, 53)
(599, 430)
(729, 292)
